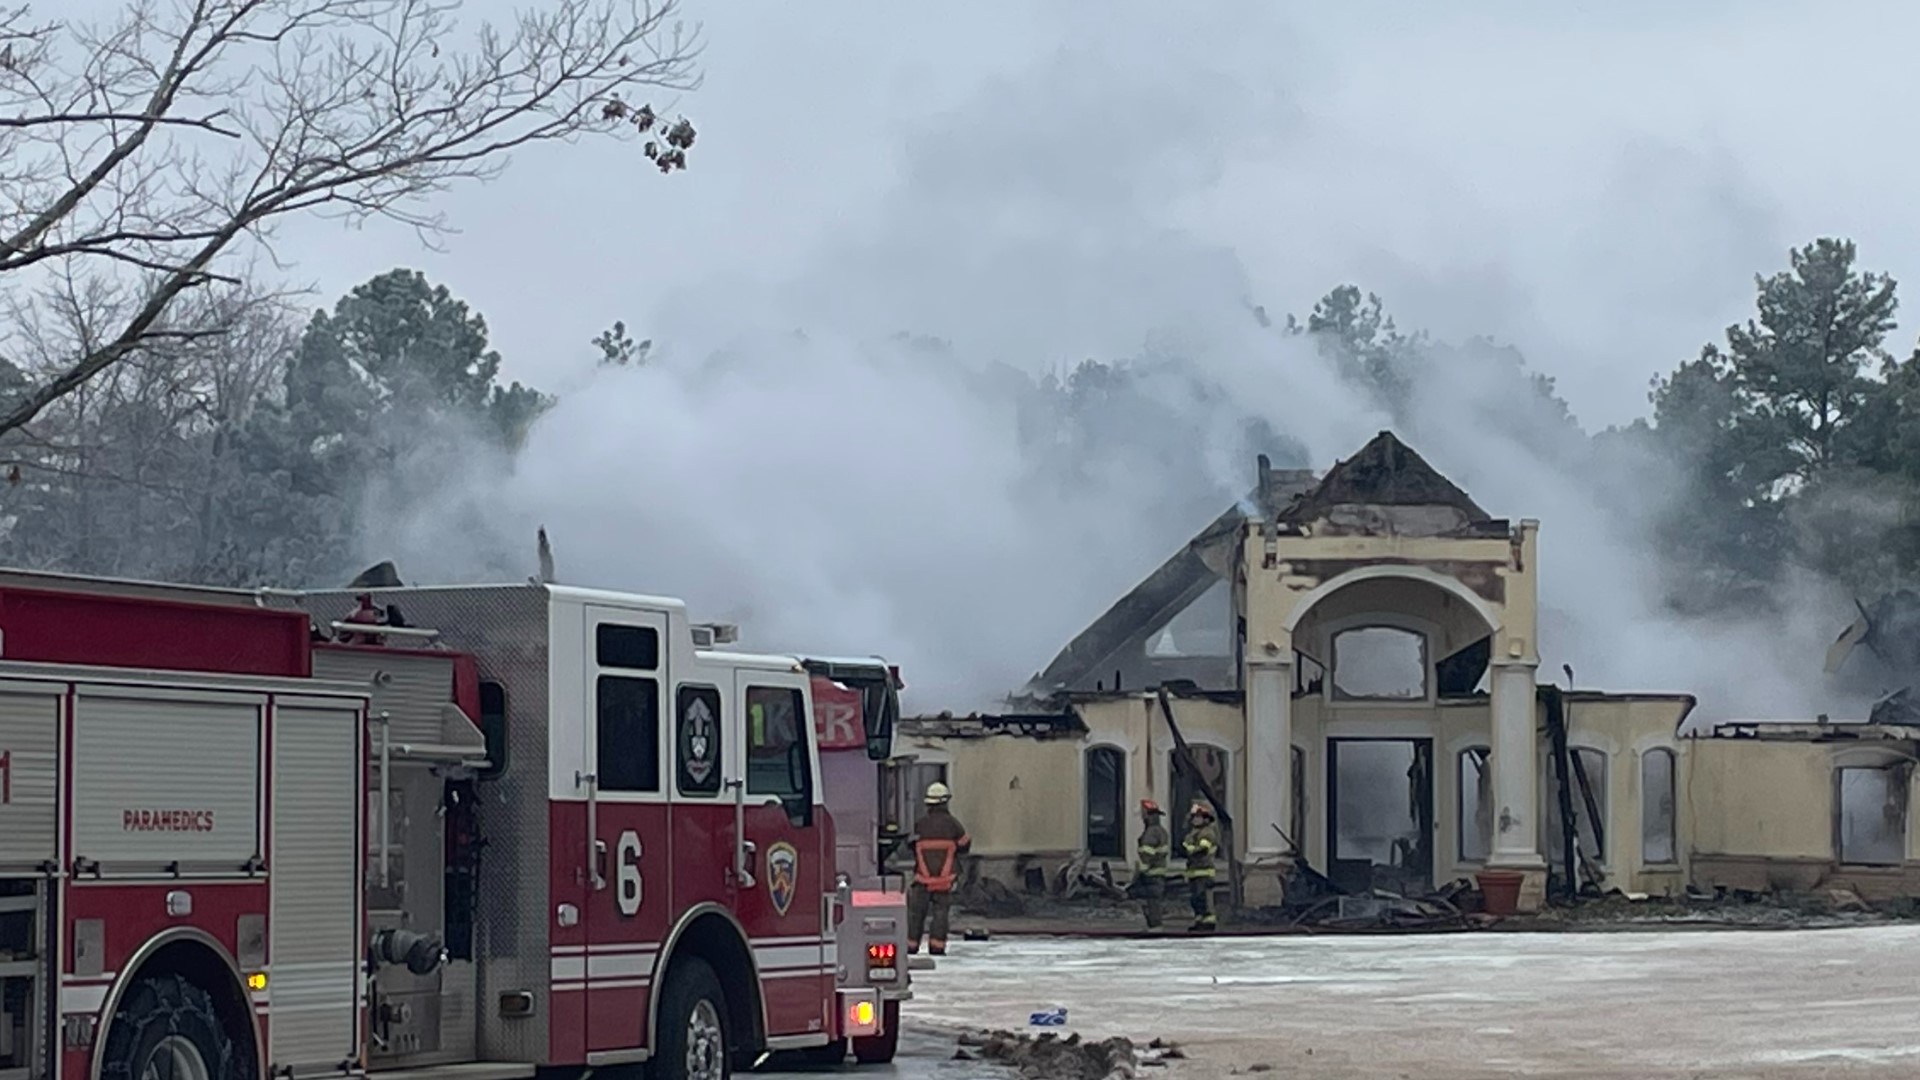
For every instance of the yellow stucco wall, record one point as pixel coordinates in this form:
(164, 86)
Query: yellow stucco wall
(1026, 796)
(1133, 722)
(1760, 798)
(1015, 795)
(1778, 799)
(1625, 729)
(1281, 586)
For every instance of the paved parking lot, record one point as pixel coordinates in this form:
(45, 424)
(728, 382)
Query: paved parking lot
(1643, 1004)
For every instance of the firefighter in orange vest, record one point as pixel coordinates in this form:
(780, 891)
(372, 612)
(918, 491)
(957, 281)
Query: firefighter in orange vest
(938, 842)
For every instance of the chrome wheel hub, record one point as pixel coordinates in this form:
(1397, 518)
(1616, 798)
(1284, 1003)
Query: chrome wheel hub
(706, 1044)
(176, 1058)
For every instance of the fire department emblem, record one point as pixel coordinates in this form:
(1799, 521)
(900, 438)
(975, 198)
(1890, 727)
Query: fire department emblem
(783, 875)
(697, 731)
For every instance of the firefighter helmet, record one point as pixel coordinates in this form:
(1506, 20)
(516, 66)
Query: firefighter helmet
(1148, 806)
(937, 793)
(1200, 809)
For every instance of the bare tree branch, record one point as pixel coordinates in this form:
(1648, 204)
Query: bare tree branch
(148, 152)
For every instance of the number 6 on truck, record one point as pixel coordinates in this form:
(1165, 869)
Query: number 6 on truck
(626, 873)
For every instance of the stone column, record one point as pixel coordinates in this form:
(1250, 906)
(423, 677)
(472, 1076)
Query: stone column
(1516, 758)
(1269, 779)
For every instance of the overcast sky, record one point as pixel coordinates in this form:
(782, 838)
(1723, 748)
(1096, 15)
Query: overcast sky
(1037, 183)
(1595, 182)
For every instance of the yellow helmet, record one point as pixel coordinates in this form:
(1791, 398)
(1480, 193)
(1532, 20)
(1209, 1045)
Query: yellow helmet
(937, 793)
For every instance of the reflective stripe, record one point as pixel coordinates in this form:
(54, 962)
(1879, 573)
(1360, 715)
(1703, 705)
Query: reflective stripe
(923, 872)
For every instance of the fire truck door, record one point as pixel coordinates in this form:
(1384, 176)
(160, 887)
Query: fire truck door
(791, 858)
(626, 884)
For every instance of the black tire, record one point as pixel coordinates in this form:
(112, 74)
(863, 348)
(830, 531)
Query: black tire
(693, 1016)
(879, 1049)
(834, 1053)
(166, 1028)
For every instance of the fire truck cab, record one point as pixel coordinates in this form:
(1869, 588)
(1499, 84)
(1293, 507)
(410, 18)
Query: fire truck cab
(462, 832)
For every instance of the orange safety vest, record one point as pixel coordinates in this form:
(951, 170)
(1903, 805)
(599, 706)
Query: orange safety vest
(924, 873)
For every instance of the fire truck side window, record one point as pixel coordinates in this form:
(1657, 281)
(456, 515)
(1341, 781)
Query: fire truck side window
(636, 648)
(777, 760)
(628, 733)
(493, 726)
(697, 740)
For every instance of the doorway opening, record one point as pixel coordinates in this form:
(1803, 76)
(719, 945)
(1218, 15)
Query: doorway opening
(1380, 815)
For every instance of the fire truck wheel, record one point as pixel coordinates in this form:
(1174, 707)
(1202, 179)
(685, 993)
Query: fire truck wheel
(694, 1039)
(879, 1049)
(166, 1029)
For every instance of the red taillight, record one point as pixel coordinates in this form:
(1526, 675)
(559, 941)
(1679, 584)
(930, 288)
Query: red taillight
(882, 952)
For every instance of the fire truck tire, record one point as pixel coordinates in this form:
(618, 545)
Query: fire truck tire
(879, 1049)
(166, 1028)
(695, 1031)
(834, 1053)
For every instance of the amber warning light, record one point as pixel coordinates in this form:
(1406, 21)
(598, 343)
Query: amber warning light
(860, 1017)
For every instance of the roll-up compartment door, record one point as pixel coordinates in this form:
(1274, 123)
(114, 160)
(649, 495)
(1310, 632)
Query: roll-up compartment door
(161, 778)
(313, 929)
(29, 777)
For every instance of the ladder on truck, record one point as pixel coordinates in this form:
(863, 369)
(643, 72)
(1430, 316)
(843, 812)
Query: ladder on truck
(27, 1006)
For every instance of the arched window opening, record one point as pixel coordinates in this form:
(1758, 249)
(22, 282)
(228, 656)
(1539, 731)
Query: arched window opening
(1212, 763)
(1379, 663)
(1106, 802)
(1299, 809)
(1589, 810)
(1476, 804)
(1659, 842)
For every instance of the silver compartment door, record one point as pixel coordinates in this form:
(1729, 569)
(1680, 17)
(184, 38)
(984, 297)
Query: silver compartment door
(313, 938)
(29, 777)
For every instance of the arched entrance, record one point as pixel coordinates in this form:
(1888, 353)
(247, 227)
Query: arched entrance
(1374, 658)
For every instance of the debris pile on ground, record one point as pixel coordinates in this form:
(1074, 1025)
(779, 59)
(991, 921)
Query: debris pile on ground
(1385, 911)
(1050, 1057)
(985, 896)
(1832, 907)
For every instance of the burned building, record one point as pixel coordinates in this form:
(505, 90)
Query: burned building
(1352, 660)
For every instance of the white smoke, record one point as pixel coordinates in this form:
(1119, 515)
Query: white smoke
(788, 460)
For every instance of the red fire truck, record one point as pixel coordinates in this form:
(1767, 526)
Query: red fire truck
(459, 833)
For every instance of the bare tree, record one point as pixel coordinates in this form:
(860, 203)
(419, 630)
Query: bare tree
(143, 153)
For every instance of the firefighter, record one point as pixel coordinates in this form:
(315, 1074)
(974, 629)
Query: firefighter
(1199, 845)
(938, 842)
(1151, 878)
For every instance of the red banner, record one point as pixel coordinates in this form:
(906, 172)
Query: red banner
(836, 716)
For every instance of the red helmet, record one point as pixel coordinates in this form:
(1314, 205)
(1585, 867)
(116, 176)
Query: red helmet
(1148, 806)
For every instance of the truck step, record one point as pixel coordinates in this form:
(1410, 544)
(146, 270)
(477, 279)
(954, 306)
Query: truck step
(471, 1070)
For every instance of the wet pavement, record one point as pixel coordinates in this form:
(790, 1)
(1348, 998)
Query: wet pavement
(926, 1053)
(1645, 1004)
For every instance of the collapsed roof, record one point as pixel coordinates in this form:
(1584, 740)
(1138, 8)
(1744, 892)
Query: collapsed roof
(1889, 629)
(1385, 473)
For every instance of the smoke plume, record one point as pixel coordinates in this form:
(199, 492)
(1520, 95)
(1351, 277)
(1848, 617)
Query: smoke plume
(851, 456)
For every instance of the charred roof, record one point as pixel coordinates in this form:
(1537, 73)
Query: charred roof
(1385, 472)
